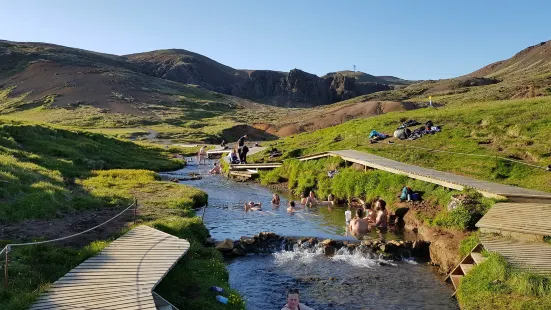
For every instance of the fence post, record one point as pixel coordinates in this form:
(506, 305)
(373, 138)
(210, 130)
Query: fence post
(6, 268)
(135, 209)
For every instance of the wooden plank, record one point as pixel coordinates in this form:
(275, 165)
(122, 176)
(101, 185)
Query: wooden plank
(478, 258)
(122, 276)
(535, 257)
(466, 267)
(456, 280)
(442, 178)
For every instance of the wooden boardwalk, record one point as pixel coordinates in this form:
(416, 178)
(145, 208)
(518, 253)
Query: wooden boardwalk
(446, 179)
(532, 256)
(122, 276)
(525, 218)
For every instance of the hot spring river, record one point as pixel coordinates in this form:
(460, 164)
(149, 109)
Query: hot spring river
(344, 281)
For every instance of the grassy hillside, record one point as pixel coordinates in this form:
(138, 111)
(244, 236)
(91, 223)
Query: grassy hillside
(81, 89)
(41, 168)
(49, 173)
(517, 129)
(527, 74)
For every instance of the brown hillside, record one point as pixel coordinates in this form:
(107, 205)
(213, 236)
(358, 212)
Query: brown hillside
(536, 58)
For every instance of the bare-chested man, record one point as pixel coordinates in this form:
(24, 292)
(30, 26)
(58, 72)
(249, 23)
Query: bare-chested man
(358, 225)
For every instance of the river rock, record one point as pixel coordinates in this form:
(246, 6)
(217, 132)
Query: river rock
(210, 242)
(246, 240)
(328, 242)
(329, 250)
(267, 235)
(225, 246)
(367, 243)
(237, 251)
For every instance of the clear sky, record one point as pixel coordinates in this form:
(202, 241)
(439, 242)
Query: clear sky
(412, 39)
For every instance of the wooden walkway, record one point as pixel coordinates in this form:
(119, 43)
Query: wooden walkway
(122, 276)
(446, 179)
(525, 218)
(532, 256)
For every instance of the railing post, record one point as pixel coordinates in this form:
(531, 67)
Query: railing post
(6, 268)
(135, 209)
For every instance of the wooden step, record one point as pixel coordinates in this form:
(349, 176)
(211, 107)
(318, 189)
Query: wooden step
(478, 257)
(466, 268)
(456, 279)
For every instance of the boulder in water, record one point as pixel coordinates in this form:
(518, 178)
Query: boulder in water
(225, 246)
(247, 240)
(237, 251)
(329, 250)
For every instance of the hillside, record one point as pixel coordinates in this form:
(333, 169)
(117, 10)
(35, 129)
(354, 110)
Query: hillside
(295, 88)
(514, 129)
(362, 77)
(526, 74)
(82, 89)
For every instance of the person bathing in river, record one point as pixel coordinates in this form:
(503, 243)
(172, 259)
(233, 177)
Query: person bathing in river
(291, 207)
(293, 301)
(252, 206)
(370, 214)
(216, 169)
(358, 225)
(275, 200)
(381, 221)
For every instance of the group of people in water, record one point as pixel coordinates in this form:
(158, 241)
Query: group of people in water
(368, 215)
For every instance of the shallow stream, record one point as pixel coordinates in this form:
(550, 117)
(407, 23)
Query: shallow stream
(343, 281)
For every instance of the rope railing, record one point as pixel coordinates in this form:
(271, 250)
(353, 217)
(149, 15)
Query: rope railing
(9, 246)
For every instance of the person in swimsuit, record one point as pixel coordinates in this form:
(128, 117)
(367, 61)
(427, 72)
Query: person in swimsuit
(216, 169)
(293, 301)
(202, 155)
(291, 207)
(275, 200)
(358, 225)
(381, 221)
(370, 214)
(252, 206)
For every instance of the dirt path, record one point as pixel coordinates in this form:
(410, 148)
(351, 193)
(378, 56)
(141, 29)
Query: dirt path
(30, 230)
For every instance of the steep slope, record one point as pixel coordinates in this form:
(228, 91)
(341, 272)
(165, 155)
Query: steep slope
(191, 68)
(526, 74)
(533, 60)
(293, 89)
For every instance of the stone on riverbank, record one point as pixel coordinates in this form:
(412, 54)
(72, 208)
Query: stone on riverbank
(225, 246)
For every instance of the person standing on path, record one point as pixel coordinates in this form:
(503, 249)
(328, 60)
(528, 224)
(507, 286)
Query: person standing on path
(240, 146)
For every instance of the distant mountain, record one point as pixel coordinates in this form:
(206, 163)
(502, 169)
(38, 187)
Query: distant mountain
(293, 89)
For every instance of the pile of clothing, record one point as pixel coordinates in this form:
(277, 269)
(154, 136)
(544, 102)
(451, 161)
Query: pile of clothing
(403, 132)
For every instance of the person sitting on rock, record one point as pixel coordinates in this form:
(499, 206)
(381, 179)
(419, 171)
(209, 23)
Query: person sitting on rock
(275, 200)
(252, 206)
(358, 225)
(293, 301)
(216, 169)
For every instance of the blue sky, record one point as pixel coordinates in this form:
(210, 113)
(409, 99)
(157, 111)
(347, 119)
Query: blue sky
(410, 39)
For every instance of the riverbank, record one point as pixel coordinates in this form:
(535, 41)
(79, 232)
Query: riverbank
(57, 182)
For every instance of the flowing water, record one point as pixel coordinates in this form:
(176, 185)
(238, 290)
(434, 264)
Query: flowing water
(343, 281)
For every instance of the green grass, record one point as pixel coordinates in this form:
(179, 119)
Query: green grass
(302, 177)
(164, 206)
(195, 115)
(42, 169)
(495, 284)
(516, 129)
(468, 244)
